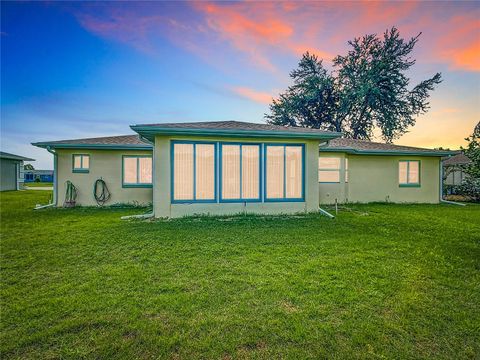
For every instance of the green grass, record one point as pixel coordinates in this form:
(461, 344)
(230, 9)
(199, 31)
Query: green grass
(39, 184)
(379, 281)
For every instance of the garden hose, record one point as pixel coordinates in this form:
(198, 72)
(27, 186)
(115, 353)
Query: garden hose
(70, 194)
(100, 192)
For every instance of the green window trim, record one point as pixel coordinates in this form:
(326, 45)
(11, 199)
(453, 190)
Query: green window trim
(409, 184)
(137, 184)
(81, 169)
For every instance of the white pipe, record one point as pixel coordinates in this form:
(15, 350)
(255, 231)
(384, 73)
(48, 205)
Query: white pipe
(441, 189)
(38, 206)
(143, 216)
(326, 213)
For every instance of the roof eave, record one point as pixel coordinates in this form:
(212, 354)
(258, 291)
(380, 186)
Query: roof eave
(93, 146)
(149, 133)
(387, 152)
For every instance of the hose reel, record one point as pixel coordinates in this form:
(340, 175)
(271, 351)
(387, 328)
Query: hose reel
(70, 194)
(101, 192)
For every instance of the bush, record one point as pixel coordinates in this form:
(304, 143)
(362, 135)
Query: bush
(471, 188)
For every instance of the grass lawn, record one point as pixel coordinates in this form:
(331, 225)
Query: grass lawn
(39, 184)
(379, 281)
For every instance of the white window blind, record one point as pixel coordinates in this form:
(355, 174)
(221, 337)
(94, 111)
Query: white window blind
(81, 162)
(293, 172)
(409, 172)
(275, 171)
(329, 169)
(284, 172)
(240, 172)
(193, 171)
(250, 171)
(137, 170)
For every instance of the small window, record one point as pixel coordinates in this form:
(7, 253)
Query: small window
(329, 170)
(81, 163)
(137, 171)
(409, 173)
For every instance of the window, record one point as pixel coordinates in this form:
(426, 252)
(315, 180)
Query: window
(284, 172)
(409, 173)
(81, 163)
(240, 172)
(329, 169)
(137, 171)
(193, 175)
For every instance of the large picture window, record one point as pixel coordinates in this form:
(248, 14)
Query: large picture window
(240, 172)
(409, 173)
(329, 169)
(284, 168)
(137, 171)
(193, 176)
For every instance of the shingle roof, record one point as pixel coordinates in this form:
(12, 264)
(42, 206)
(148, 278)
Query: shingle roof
(459, 159)
(231, 129)
(370, 147)
(122, 141)
(236, 125)
(5, 155)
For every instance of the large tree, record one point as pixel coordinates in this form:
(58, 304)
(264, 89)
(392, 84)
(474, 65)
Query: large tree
(367, 89)
(471, 184)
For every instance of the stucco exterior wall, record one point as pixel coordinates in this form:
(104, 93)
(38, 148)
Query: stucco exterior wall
(329, 192)
(162, 183)
(375, 178)
(105, 164)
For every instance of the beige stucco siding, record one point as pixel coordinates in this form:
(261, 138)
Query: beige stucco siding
(375, 178)
(162, 183)
(329, 192)
(105, 164)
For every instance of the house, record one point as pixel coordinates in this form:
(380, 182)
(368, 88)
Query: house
(11, 171)
(38, 175)
(233, 167)
(454, 168)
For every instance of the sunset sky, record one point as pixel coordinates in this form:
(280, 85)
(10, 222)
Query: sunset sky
(73, 70)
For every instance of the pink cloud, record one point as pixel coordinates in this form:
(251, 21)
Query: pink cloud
(252, 94)
(263, 33)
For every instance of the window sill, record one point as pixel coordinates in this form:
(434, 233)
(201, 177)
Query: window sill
(410, 185)
(80, 171)
(329, 182)
(188, 202)
(136, 185)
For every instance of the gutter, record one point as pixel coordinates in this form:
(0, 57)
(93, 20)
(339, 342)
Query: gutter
(441, 188)
(55, 175)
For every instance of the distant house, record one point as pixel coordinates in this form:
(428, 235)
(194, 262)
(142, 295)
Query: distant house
(231, 167)
(11, 171)
(454, 168)
(38, 176)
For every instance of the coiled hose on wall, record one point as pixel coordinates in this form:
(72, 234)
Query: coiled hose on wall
(70, 194)
(100, 192)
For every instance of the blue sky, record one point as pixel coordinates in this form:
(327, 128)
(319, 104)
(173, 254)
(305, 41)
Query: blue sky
(73, 70)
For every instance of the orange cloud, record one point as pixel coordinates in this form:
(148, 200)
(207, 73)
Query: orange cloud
(254, 95)
(460, 47)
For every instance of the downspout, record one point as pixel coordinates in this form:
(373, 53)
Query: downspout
(55, 181)
(151, 214)
(322, 211)
(441, 188)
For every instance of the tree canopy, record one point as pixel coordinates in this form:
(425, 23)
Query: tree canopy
(366, 89)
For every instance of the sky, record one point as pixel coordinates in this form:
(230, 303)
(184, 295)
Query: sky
(86, 69)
